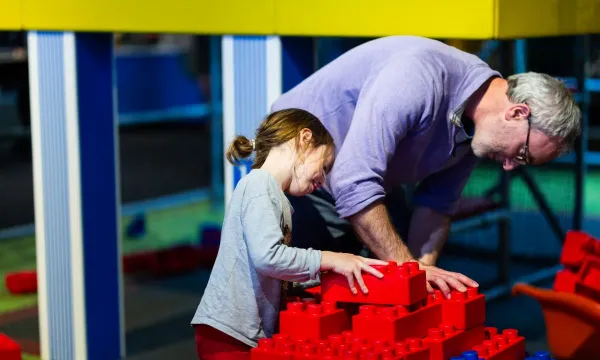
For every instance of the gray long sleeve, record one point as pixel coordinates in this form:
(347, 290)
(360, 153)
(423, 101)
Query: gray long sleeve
(262, 230)
(244, 290)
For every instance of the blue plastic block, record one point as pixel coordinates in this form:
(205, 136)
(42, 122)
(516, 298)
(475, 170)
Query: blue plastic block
(137, 227)
(542, 355)
(457, 358)
(470, 355)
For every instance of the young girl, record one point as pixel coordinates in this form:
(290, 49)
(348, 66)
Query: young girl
(241, 303)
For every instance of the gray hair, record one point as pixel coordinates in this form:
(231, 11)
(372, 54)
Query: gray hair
(553, 109)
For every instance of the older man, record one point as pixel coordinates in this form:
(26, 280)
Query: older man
(413, 111)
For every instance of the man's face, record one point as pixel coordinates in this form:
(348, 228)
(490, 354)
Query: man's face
(510, 141)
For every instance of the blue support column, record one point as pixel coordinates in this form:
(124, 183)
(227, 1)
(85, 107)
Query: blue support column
(76, 192)
(251, 83)
(328, 49)
(520, 56)
(298, 60)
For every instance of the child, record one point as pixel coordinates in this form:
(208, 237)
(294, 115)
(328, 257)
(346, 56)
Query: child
(241, 303)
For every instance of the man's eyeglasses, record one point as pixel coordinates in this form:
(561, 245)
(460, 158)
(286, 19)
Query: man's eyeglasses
(523, 157)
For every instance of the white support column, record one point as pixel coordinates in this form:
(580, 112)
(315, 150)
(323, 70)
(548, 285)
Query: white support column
(76, 192)
(251, 83)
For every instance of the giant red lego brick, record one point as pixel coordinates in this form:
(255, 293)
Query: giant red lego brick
(589, 274)
(397, 322)
(139, 262)
(338, 347)
(588, 278)
(577, 246)
(464, 310)
(9, 349)
(507, 346)
(313, 321)
(401, 285)
(412, 349)
(267, 350)
(565, 281)
(181, 259)
(445, 341)
(23, 282)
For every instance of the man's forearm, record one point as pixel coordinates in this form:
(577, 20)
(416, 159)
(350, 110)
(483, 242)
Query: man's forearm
(428, 232)
(376, 231)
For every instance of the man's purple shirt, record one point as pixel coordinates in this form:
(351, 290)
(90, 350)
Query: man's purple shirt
(389, 105)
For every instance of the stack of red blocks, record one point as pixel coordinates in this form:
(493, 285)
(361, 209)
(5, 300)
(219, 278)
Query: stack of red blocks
(396, 320)
(9, 349)
(581, 258)
(172, 261)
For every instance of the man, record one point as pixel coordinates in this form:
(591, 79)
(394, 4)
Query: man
(410, 111)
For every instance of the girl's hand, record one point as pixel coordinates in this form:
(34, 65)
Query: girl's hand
(351, 266)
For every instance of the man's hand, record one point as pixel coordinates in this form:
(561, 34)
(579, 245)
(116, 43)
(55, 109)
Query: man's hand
(445, 280)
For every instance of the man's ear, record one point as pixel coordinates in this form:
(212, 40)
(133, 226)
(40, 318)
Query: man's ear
(518, 112)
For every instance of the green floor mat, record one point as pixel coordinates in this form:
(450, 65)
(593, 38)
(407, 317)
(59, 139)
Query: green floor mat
(29, 357)
(164, 228)
(16, 255)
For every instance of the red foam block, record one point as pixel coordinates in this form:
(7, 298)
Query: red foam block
(578, 245)
(9, 349)
(464, 310)
(565, 281)
(312, 321)
(508, 346)
(395, 323)
(401, 285)
(23, 282)
(445, 341)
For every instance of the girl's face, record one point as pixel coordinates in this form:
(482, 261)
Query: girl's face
(309, 175)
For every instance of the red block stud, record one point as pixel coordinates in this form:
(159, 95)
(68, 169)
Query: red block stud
(507, 346)
(411, 349)
(266, 350)
(445, 341)
(9, 349)
(23, 282)
(400, 285)
(313, 321)
(464, 310)
(577, 246)
(395, 323)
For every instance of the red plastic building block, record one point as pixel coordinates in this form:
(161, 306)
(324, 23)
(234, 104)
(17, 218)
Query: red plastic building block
(268, 349)
(400, 285)
(9, 349)
(508, 346)
(588, 278)
(445, 341)
(395, 323)
(565, 281)
(464, 310)
(24, 282)
(139, 262)
(577, 246)
(312, 321)
(345, 346)
(589, 274)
